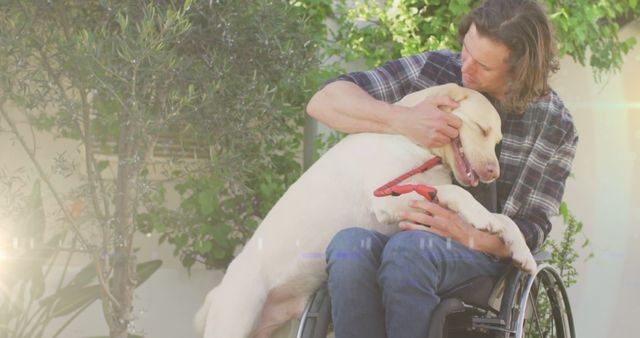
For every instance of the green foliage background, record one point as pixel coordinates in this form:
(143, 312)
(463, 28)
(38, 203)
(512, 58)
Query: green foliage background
(262, 58)
(379, 31)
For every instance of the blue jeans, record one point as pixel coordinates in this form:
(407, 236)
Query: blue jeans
(388, 286)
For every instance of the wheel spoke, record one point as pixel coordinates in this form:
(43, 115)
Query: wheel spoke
(534, 309)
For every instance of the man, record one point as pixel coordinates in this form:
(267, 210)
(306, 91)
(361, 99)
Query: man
(389, 287)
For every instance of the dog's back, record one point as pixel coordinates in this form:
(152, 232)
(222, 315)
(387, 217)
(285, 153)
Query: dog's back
(335, 193)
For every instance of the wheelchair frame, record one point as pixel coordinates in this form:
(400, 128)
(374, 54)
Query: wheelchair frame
(513, 309)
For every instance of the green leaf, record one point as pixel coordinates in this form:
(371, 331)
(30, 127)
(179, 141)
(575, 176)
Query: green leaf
(75, 298)
(37, 285)
(251, 223)
(188, 261)
(219, 253)
(84, 276)
(208, 202)
(81, 279)
(204, 247)
(42, 122)
(102, 165)
(146, 269)
(76, 295)
(564, 211)
(159, 227)
(220, 232)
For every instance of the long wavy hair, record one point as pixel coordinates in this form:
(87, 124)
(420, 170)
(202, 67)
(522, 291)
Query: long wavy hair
(524, 28)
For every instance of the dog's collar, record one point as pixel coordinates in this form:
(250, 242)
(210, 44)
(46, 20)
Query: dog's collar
(394, 189)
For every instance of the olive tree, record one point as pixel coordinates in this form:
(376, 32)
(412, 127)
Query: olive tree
(203, 98)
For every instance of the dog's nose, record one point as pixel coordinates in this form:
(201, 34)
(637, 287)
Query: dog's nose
(493, 171)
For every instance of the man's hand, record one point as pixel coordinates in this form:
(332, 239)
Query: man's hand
(432, 217)
(427, 125)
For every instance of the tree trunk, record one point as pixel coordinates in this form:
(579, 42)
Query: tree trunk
(124, 262)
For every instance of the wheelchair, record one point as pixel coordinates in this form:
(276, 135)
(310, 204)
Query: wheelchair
(516, 304)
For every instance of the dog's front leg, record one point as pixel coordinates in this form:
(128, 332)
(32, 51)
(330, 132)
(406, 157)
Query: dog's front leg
(513, 238)
(461, 201)
(457, 199)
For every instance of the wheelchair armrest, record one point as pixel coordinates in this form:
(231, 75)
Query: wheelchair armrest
(542, 256)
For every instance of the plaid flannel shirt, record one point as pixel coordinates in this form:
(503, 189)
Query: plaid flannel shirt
(537, 148)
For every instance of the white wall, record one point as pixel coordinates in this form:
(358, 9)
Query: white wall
(605, 193)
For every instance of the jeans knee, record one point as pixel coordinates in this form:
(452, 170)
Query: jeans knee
(410, 260)
(355, 249)
(354, 239)
(413, 246)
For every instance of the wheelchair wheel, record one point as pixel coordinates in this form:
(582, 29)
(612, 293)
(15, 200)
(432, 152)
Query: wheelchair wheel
(316, 319)
(541, 307)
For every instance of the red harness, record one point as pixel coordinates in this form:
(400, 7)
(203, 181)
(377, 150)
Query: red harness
(393, 189)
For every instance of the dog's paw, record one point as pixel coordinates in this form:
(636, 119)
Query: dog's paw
(523, 259)
(513, 238)
(461, 201)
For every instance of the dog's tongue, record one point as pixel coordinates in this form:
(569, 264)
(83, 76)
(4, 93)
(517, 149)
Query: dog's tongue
(464, 166)
(469, 174)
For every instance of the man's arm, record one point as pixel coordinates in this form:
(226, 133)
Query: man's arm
(344, 106)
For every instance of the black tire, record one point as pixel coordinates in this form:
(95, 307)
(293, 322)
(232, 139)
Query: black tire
(316, 320)
(540, 308)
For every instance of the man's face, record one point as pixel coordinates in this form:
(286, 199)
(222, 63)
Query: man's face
(484, 64)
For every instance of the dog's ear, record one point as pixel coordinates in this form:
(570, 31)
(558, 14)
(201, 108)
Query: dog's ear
(455, 92)
(451, 90)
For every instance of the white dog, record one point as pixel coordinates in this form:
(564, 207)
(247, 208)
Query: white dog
(271, 280)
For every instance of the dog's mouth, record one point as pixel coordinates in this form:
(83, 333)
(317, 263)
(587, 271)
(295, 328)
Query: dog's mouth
(463, 170)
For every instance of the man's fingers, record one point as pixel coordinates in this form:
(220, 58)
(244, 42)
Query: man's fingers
(453, 121)
(419, 227)
(419, 217)
(450, 132)
(424, 218)
(412, 226)
(434, 209)
(438, 140)
(444, 101)
(449, 119)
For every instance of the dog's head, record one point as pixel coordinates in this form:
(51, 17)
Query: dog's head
(472, 156)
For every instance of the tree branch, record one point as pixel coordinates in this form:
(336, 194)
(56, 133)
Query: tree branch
(83, 241)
